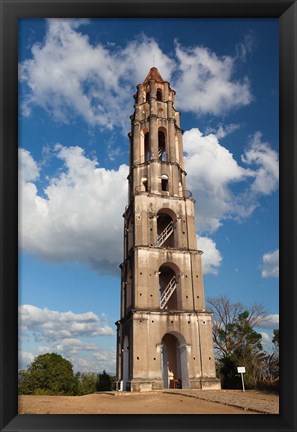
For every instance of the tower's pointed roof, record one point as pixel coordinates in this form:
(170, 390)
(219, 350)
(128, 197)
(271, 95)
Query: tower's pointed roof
(154, 75)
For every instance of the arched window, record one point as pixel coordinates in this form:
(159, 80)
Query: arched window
(168, 280)
(165, 230)
(159, 95)
(147, 97)
(161, 145)
(144, 184)
(147, 153)
(164, 183)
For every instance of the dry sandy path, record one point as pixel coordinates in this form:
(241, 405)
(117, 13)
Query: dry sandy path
(146, 403)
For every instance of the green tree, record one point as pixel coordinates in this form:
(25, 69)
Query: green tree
(104, 382)
(235, 340)
(48, 374)
(87, 383)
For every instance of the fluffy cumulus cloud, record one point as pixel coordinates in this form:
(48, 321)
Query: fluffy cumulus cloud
(270, 267)
(205, 83)
(57, 326)
(66, 333)
(79, 215)
(211, 258)
(68, 75)
(261, 155)
(214, 187)
(27, 166)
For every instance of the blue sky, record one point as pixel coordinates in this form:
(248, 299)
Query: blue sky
(76, 81)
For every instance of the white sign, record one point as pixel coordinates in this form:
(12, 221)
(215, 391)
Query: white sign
(241, 369)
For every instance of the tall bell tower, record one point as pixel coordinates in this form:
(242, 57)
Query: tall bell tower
(164, 336)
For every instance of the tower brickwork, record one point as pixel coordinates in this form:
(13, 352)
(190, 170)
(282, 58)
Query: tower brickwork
(164, 335)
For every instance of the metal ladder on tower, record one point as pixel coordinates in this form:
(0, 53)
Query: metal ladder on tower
(165, 234)
(167, 293)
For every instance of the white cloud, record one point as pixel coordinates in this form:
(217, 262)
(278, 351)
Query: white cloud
(266, 338)
(79, 218)
(43, 349)
(57, 326)
(223, 130)
(244, 48)
(71, 346)
(270, 321)
(213, 172)
(90, 362)
(106, 357)
(211, 258)
(68, 75)
(28, 168)
(205, 82)
(65, 333)
(267, 173)
(99, 361)
(270, 267)
(25, 358)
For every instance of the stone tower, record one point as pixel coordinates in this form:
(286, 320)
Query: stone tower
(164, 336)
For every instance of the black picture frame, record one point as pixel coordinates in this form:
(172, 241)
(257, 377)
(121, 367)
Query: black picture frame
(11, 11)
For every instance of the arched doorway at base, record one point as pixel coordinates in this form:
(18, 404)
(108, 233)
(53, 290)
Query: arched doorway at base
(174, 361)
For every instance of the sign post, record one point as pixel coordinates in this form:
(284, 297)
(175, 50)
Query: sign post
(241, 370)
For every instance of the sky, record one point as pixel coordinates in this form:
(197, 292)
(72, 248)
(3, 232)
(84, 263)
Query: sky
(76, 84)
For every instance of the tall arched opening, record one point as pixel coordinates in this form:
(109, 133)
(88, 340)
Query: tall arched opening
(169, 287)
(166, 233)
(159, 94)
(145, 154)
(175, 361)
(126, 366)
(162, 153)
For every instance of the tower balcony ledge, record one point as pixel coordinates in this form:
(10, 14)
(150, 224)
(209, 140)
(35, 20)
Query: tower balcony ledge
(167, 249)
(170, 313)
(186, 194)
(148, 162)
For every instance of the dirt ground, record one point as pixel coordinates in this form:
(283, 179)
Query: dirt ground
(189, 402)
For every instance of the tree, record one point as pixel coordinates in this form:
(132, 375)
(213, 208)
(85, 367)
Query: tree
(232, 323)
(235, 341)
(48, 374)
(104, 382)
(87, 383)
(275, 339)
(274, 358)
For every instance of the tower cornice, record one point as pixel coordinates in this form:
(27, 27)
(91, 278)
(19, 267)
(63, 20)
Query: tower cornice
(137, 165)
(183, 251)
